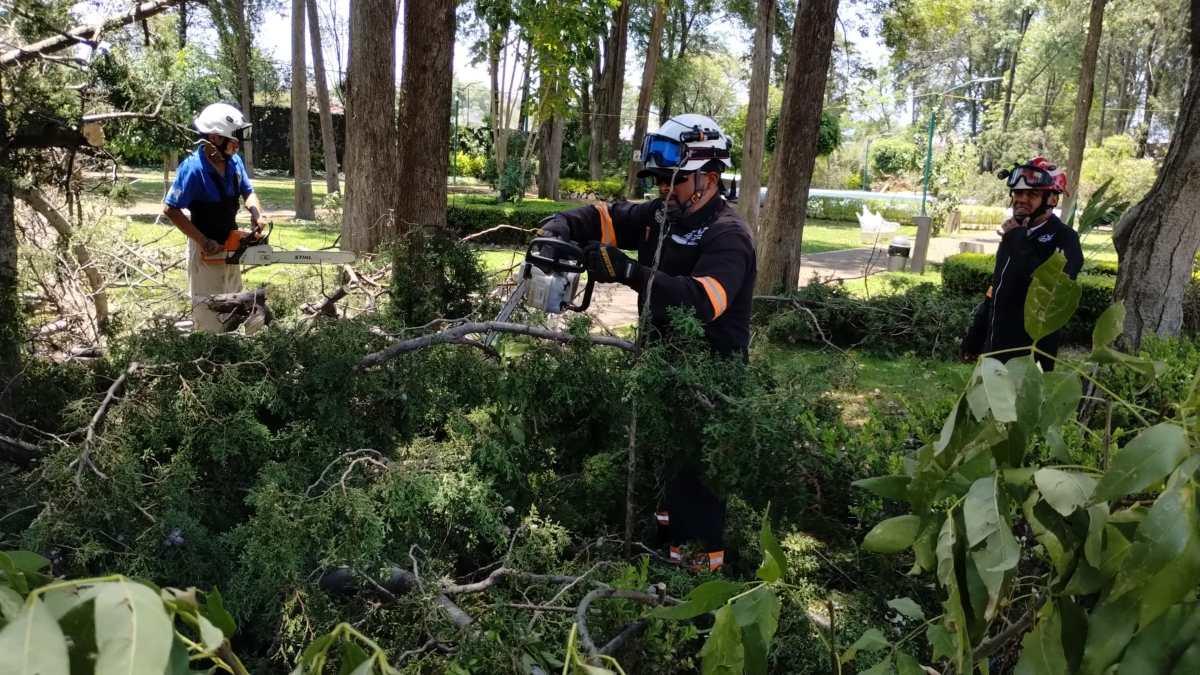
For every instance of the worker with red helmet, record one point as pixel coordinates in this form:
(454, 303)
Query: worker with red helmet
(1031, 236)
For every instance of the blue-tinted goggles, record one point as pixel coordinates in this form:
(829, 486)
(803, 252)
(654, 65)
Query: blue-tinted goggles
(665, 152)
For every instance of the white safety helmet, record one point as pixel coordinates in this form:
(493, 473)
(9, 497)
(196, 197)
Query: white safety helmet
(222, 119)
(685, 143)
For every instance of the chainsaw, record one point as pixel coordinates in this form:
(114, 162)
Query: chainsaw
(243, 247)
(549, 280)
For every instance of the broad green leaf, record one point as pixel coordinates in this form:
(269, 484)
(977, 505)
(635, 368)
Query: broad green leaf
(1144, 461)
(704, 598)
(177, 663)
(722, 653)
(32, 643)
(1172, 584)
(1042, 649)
(214, 610)
(1046, 525)
(11, 603)
(1064, 490)
(1027, 380)
(977, 401)
(14, 577)
(908, 607)
(133, 631)
(1150, 653)
(893, 535)
(1110, 626)
(1093, 546)
(210, 635)
(941, 640)
(368, 667)
(27, 561)
(1000, 554)
(353, 656)
(1051, 299)
(757, 615)
(1189, 660)
(774, 564)
(981, 511)
(907, 664)
(872, 640)
(315, 649)
(1074, 631)
(1167, 529)
(1109, 326)
(1144, 367)
(1018, 476)
(888, 487)
(1001, 395)
(63, 600)
(1061, 392)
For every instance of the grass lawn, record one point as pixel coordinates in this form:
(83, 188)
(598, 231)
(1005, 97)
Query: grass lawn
(829, 235)
(275, 192)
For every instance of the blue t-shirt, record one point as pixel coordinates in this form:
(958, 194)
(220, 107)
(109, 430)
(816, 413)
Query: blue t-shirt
(197, 181)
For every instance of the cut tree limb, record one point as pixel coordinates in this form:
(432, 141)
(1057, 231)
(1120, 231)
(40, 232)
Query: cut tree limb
(457, 333)
(93, 429)
(84, 33)
(16, 451)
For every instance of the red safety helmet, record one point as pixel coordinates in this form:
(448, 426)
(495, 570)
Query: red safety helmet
(1037, 174)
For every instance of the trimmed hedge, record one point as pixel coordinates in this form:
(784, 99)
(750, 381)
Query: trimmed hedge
(607, 189)
(467, 214)
(969, 274)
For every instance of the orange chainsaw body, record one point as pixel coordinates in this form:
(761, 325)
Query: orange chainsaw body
(237, 239)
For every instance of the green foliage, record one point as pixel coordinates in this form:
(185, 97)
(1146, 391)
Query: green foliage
(1101, 209)
(1113, 164)
(607, 189)
(895, 156)
(434, 275)
(922, 319)
(1101, 576)
(846, 210)
(829, 135)
(474, 166)
(467, 214)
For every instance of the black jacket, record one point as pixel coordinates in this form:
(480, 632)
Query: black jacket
(1020, 253)
(707, 263)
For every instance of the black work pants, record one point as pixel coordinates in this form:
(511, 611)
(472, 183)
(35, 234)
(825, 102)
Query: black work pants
(697, 514)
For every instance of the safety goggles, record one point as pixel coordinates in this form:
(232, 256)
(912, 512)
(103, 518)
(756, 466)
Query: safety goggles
(668, 153)
(1034, 177)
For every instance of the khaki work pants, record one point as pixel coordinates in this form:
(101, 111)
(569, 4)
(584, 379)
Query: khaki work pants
(205, 279)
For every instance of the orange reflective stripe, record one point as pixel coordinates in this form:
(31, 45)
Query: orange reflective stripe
(716, 294)
(608, 235)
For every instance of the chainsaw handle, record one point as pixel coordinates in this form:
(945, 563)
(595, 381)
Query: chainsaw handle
(587, 298)
(560, 250)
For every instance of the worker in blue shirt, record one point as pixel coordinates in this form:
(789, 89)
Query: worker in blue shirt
(211, 184)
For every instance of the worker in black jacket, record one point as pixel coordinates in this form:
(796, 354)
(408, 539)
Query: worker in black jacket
(706, 263)
(1031, 236)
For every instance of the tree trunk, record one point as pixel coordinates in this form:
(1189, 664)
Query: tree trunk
(1104, 96)
(599, 106)
(1157, 239)
(523, 110)
(782, 227)
(241, 27)
(1083, 103)
(585, 104)
(641, 120)
(618, 42)
(550, 161)
(183, 25)
(1026, 16)
(424, 120)
(754, 143)
(370, 125)
(301, 153)
(328, 140)
(1151, 91)
(1124, 101)
(10, 311)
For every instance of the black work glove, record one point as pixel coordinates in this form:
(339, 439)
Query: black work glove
(608, 264)
(555, 226)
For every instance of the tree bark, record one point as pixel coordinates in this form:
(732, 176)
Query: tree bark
(1083, 103)
(1151, 91)
(241, 27)
(370, 125)
(550, 161)
(328, 140)
(1104, 96)
(181, 29)
(618, 41)
(1157, 239)
(782, 227)
(599, 106)
(10, 313)
(301, 151)
(1026, 17)
(641, 120)
(424, 121)
(754, 143)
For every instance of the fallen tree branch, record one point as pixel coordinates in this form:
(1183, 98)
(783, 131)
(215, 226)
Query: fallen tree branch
(240, 307)
(84, 460)
(84, 33)
(585, 637)
(16, 451)
(476, 235)
(452, 335)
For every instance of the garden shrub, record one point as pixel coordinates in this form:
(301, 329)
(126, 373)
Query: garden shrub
(894, 156)
(434, 275)
(467, 214)
(607, 189)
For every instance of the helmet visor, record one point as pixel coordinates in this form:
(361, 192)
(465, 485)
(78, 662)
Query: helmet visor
(666, 153)
(1028, 176)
